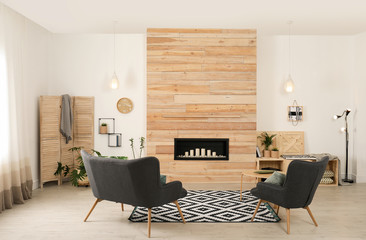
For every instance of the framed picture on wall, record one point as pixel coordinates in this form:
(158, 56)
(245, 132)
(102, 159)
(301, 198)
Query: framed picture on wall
(295, 113)
(258, 152)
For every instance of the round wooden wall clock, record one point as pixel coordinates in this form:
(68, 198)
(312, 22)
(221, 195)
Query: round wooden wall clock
(124, 105)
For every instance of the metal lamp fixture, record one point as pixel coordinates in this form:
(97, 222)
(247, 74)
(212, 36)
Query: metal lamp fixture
(114, 82)
(345, 129)
(289, 85)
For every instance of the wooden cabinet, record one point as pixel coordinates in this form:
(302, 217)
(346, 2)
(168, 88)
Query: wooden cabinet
(282, 164)
(53, 147)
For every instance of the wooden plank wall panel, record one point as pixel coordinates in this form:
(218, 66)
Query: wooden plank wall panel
(201, 83)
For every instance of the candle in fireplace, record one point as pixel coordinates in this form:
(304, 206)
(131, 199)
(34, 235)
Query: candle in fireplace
(203, 152)
(197, 152)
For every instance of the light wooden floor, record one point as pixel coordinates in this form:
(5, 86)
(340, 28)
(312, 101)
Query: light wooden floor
(58, 213)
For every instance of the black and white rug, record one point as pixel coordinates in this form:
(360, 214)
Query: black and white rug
(206, 206)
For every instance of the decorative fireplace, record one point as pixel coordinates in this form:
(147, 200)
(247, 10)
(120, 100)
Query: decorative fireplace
(201, 149)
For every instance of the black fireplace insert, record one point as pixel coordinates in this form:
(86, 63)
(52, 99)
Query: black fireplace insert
(201, 149)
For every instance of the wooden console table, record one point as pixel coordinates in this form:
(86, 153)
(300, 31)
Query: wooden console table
(282, 164)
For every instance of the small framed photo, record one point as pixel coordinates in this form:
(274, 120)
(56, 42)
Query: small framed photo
(258, 152)
(295, 113)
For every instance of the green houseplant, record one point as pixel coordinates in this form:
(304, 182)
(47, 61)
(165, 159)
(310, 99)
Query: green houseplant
(275, 153)
(267, 141)
(103, 129)
(77, 173)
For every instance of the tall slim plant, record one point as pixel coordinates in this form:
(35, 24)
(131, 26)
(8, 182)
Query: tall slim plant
(132, 147)
(142, 141)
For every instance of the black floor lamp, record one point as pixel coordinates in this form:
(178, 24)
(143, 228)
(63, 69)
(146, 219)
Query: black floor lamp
(345, 112)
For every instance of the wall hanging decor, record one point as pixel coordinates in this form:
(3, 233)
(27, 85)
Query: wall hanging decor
(124, 105)
(295, 113)
(107, 126)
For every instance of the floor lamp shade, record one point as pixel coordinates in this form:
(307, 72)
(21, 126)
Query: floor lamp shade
(345, 129)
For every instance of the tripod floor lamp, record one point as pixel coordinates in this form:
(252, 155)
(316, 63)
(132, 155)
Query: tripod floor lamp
(345, 129)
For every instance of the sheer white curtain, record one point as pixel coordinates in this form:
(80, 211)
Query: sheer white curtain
(15, 173)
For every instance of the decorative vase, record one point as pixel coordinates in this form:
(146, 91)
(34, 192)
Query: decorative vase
(266, 153)
(103, 129)
(275, 154)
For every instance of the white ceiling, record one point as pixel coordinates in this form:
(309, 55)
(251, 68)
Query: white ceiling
(311, 17)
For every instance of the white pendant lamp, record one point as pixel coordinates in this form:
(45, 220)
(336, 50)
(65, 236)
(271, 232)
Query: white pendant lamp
(114, 82)
(289, 85)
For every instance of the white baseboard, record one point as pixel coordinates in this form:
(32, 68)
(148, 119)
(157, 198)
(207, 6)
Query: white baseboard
(36, 184)
(361, 179)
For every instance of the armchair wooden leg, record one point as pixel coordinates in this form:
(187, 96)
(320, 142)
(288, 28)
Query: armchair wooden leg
(95, 204)
(288, 220)
(149, 222)
(311, 215)
(180, 211)
(278, 209)
(256, 209)
(122, 207)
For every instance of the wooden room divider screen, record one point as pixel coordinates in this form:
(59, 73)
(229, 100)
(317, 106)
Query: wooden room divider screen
(53, 147)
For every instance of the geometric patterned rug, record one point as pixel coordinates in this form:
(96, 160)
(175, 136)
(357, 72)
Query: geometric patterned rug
(207, 206)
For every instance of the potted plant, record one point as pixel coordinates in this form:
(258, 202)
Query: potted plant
(77, 173)
(103, 129)
(267, 142)
(275, 153)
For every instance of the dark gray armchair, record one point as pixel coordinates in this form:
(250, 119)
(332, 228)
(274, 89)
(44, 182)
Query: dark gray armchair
(134, 182)
(302, 180)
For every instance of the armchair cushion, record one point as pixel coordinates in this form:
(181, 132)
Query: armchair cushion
(276, 178)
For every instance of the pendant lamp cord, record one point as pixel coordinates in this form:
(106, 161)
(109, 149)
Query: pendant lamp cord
(114, 46)
(289, 47)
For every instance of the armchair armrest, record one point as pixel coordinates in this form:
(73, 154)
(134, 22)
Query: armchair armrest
(172, 186)
(269, 192)
(171, 191)
(262, 186)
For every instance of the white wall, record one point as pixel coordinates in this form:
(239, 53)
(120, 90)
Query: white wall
(322, 67)
(82, 65)
(360, 105)
(322, 70)
(35, 72)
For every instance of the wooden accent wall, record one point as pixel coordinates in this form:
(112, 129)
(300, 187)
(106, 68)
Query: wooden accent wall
(201, 83)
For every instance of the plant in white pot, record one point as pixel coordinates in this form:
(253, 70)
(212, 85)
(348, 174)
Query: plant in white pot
(267, 141)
